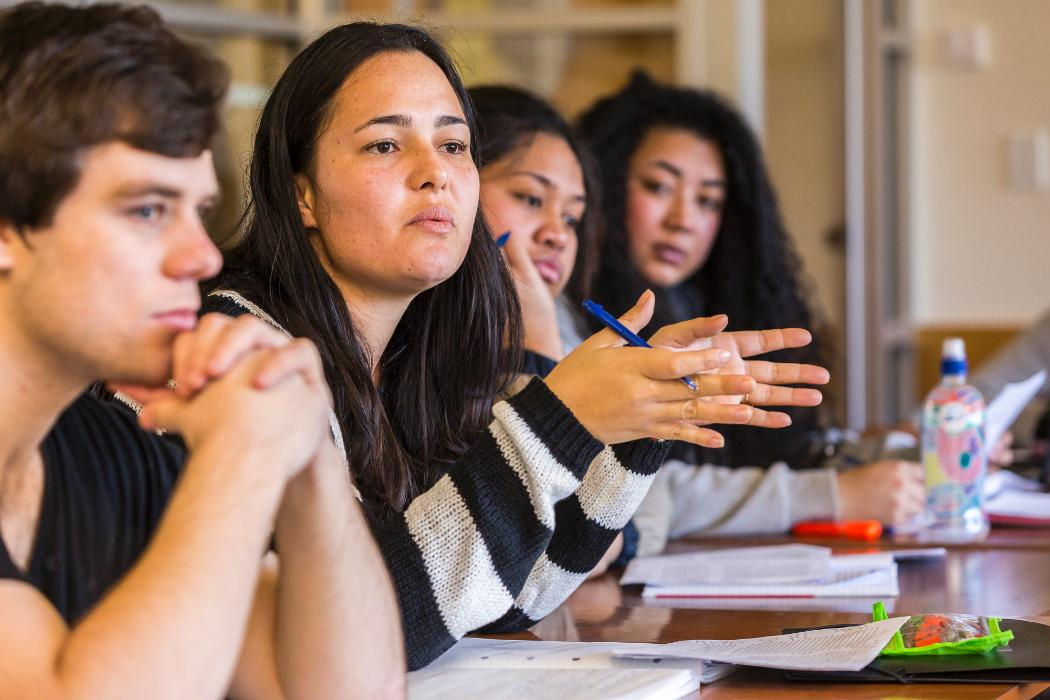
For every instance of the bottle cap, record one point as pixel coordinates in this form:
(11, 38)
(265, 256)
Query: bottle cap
(953, 348)
(953, 357)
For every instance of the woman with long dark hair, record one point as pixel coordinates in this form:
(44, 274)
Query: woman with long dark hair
(363, 235)
(690, 211)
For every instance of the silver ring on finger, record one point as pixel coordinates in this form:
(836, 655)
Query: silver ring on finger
(689, 410)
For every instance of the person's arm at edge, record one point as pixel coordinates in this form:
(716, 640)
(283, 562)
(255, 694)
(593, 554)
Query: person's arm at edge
(338, 630)
(172, 628)
(717, 501)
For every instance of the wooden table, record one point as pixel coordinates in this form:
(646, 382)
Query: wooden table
(1006, 582)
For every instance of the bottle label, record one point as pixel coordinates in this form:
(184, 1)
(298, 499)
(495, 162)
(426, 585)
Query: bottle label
(953, 452)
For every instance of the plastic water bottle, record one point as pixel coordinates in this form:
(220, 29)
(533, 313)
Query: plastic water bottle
(953, 452)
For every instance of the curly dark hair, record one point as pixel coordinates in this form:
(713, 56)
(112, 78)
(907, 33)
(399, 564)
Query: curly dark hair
(753, 272)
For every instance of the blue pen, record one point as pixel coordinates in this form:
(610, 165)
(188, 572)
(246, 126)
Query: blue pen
(624, 332)
(502, 239)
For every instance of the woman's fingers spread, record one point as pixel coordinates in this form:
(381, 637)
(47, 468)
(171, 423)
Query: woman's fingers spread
(706, 412)
(687, 432)
(786, 373)
(659, 363)
(635, 318)
(769, 419)
(701, 411)
(757, 342)
(767, 395)
(695, 333)
(724, 384)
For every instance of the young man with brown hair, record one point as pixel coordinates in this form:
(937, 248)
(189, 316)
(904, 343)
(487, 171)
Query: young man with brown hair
(130, 567)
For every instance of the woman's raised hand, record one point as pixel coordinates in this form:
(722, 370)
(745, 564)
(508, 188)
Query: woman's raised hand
(624, 393)
(538, 313)
(708, 333)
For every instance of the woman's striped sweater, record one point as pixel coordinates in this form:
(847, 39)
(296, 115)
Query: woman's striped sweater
(513, 527)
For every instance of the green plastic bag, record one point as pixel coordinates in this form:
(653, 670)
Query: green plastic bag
(931, 635)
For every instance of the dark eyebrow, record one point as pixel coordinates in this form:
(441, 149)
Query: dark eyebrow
(147, 189)
(535, 176)
(448, 120)
(664, 165)
(211, 201)
(404, 121)
(677, 172)
(545, 181)
(395, 119)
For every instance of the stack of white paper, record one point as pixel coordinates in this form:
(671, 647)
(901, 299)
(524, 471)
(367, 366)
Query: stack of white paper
(1011, 499)
(1020, 508)
(788, 571)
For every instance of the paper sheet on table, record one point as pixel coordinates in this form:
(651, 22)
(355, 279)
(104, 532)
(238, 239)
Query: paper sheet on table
(842, 583)
(839, 649)
(1004, 480)
(823, 605)
(1020, 507)
(918, 553)
(471, 654)
(593, 684)
(1004, 409)
(788, 563)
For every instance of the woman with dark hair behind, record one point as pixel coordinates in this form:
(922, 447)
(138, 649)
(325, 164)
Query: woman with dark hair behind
(363, 236)
(529, 156)
(690, 211)
(537, 182)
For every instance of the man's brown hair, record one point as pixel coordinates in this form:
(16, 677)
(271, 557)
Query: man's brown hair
(76, 77)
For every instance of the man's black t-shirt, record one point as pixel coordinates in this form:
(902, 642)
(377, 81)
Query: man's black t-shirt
(106, 483)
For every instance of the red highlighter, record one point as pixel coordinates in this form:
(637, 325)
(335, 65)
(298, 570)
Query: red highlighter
(852, 529)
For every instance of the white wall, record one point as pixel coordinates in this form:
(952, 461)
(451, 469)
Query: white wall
(981, 251)
(804, 135)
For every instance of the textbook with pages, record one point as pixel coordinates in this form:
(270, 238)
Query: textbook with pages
(499, 669)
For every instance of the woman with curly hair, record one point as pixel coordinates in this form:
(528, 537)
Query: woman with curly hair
(690, 212)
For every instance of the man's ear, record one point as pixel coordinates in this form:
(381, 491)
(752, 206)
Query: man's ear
(9, 238)
(304, 194)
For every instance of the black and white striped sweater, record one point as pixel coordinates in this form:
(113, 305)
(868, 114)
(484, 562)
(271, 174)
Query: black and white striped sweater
(513, 527)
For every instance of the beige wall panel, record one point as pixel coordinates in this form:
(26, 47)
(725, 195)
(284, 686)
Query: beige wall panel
(981, 249)
(804, 145)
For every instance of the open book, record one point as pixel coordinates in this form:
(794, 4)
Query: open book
(497, 668)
